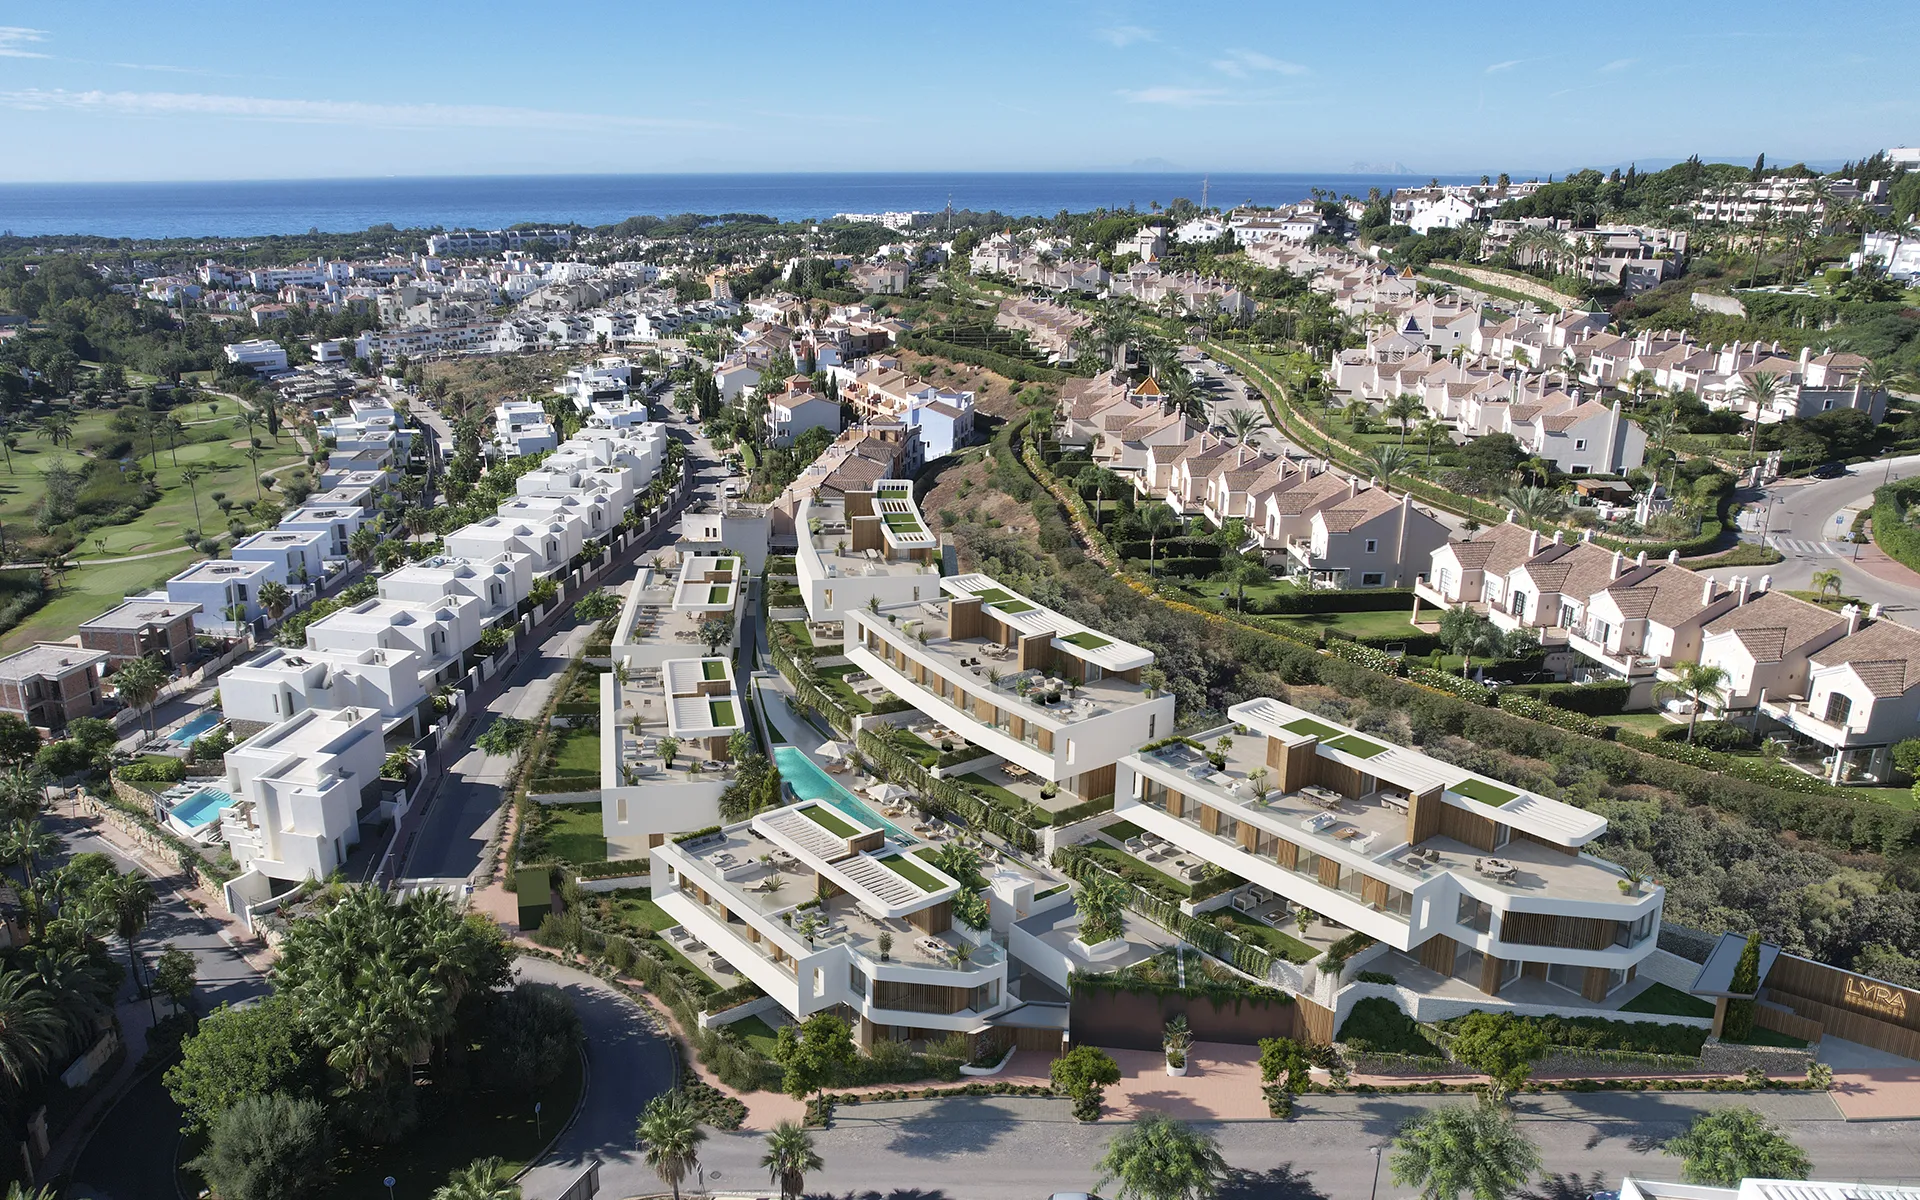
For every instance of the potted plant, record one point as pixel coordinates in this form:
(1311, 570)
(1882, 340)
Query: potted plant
(1632, 882)
(885, 942)
(1177, 1040)
(1258, 778)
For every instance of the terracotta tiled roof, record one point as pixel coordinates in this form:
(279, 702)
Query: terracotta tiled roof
(1773, 624)
(1885, 656)
(1350, 514)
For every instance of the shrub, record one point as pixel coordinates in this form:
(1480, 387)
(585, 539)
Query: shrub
(1453, 685)
(533, 1033)
(154, 770)
(1541, 710)
(1365, 656)
(1379, 1025)
(268, 1148)
(1601, 699)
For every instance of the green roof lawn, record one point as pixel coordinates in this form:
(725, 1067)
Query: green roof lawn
(1014, 606)
(722, 712)
(1308, 727)
(994, 595)
(1357, 746)
(1088, 640)
(1484, 792)
(829, 820)
(713, 668)
(900, 520)
(719, 593)
(912, 872)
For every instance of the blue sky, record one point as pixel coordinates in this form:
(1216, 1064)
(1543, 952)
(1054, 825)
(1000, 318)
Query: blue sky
(187, 89)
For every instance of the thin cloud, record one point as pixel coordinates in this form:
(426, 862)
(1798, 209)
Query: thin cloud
(328, 112)
(1179, 97)
(1241, 63)
(15, 38)
(1618, 64)
(1508, 65)
(1123, 36)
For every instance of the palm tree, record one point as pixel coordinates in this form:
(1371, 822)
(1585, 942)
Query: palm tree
(670, 1133)
(139, 683)
(129, 899)
(1759, 390)
(1827, 581)
(57, 428)
(1160, 1158)
(191, 477)
(1430, 431)
(254, 454)
(237, 613)
(1404, 408)
(1388, 461)
(363, 543)
(790, 1155)
(32, 1032)
(1659, 428)
(275, 598)
(1243, 424)
(1696, 681)
(1463, 1148)
(481, 1179)
(1641, 383)
(1158, 521)
(1535, 504)
(26, 843)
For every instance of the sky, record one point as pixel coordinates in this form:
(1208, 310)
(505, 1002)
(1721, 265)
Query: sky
(189, 89)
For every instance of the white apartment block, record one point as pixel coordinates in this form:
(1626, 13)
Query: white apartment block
(279, 683)
(219, 586)
(499, 583)
(299, 788)
(301, 553)
(469, 242)
(337, 522)
(666, 608)
(1031, 686)
(864, 547)
(521, 427)
(1467, 877)
(644, 800)
(550, 544)
(934, 977)
(261, 355)
(440, 631)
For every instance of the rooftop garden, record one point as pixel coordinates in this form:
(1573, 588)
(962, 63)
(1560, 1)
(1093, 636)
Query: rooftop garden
(713, 668)
(1356, 745)
(1088, 640)
(1308, 727)
(994, 595)
(723, 714)
(1484, 792)
(912, 872)
(720, 593)
(826, 818)
(1012, 607)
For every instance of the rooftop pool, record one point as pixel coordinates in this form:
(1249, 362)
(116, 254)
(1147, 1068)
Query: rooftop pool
(810, 782)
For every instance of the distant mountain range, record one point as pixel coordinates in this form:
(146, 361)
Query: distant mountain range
(1395, 167)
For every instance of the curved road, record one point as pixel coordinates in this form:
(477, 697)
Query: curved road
(1808, 522)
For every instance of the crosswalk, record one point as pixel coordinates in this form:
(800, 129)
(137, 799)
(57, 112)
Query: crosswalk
(1799, 547)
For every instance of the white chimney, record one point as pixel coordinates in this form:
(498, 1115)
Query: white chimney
(1533, 542)
(1706, 589)
(1586, 535)
(1556, 536)
(1873, 614)
(1766, 581)
(1640, 560)
(1852, 613)
(1740, 587)
(1673, 556)
(1613, 572)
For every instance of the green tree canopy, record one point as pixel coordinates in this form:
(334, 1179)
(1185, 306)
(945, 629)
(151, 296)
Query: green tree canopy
(270, 1147)
(1721, 1148)
(1160, 1158)
(1470, 1149)
(237, 1053)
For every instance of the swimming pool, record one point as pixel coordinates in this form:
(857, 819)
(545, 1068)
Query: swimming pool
(201, 808)
(811, 783)
(194, 728)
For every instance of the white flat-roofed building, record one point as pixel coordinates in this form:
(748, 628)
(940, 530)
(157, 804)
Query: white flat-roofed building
(345, 495)
(339, 522)
(550, 544)
(440, 630)
(298, 788)
(1033, 687)
(613, 483)
(728, 526)
(1472, 878)
(667, 608)
(1632, 1188)
(619, 414)
(262, 356)
(697, 703)
(499, 583)
(368, 465)
(937, 976)
(302, 553)
(218, 586)
(521, 427)
(279, 683)
(595, 511)
(864, 546)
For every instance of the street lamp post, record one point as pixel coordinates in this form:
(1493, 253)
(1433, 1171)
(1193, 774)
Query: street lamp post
(1374, 1194)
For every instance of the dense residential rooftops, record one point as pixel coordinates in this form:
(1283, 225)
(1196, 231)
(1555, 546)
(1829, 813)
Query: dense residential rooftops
(1884, 654)
(1774, 624)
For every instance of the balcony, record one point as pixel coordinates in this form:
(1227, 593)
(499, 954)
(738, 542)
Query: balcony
(1623, 663)
(1795, 715)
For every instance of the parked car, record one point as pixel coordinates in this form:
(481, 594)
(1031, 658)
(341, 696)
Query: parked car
(1832, 470)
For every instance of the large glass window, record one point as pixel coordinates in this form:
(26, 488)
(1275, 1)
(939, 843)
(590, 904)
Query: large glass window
(1571, 978)
(1228, 827)
(1308, 863)
(1632, 933)
(1475, 914)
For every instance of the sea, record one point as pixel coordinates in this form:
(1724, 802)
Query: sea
(253, 208)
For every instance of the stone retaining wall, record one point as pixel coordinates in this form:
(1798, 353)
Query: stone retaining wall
(1730, 1058)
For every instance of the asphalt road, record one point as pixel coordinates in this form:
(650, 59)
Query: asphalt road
(1808, 521)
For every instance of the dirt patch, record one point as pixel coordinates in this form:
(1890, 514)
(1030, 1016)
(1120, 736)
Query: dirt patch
(960, 490)
(993, 394)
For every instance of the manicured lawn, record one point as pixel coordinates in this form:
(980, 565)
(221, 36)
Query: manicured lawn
(713, 668)
(1120, 831)
(1665, 1001)
(1267, 937)
(1484, 792)
(1356, 625)
(574, 834)
(915, 745)
(904, 866)
(90, 591)
(1308, 727)
(834, 680)
(722, 713)
(996, 795)
(757, 1034)
(1357, 746)
(578, 753)
(974, 881)
(1126, 863)
(801, 634)
(1898, 797)
(1645, 724)
(635, 907)
(1089, 641)
(829, 820)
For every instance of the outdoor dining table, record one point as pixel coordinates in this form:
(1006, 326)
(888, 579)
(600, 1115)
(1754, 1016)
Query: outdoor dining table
(1499, 868)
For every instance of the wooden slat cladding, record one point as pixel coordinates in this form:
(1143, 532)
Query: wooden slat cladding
(965, 619)
(1249, 835)
(1348, 781)
(1556, 847)
(1437, 954)
(1423, 815)
(1286, 853)
(1373, 891)
(1091, 785)
(1209, 819)
(1490, 968)
(1767, 1016)
(1470, 829)
(1553, 929)
(1330, 872)
(935, 918)
(1316, 1021)
(1843, 990)
(1594, 984)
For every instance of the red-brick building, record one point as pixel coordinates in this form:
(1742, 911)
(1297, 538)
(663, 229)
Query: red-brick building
(51, 683)
(142, 627)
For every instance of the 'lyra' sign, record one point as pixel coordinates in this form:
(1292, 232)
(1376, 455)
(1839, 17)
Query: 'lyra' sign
(1876, 997)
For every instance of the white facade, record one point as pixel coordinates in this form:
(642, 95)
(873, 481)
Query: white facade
(298, 788)
(440, 630)
(217, 585)
(261, 355)
(499, 583)
(300, 552)
(850, 555)
(336, 522)
(278, 684)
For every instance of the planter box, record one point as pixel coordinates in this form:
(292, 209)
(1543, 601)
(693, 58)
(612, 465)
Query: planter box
(1111, 948)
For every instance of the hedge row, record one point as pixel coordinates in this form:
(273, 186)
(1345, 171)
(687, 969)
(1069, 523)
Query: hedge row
(1540, 710)
(1594, 699)
(1891, 532)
